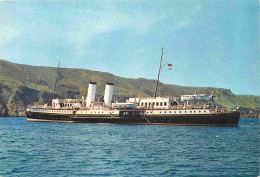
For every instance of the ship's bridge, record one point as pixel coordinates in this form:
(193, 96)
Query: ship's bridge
(66, 103)
(154, 102)
(198, 97)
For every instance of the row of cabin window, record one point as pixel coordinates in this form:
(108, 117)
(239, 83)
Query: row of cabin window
(61, 111)
(39, 110)
(98, 112)
(69, 112)
(56, 118)
(176, 112)
(65, 104)
(153, 103)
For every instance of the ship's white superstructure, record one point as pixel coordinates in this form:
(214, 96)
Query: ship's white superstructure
(198, 97)
(67, 103)
(149, 105)
(136, 110)
(154, 102)
(153, 105)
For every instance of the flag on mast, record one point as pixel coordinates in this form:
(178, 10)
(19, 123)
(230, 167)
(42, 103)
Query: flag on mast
(170, 66)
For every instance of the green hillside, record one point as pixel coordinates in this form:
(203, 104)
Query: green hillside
(22, 85)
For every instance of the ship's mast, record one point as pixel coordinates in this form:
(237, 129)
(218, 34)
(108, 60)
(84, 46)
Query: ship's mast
(156, 88)
(56, 80)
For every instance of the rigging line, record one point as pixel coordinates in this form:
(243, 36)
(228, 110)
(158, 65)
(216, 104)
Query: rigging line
(56, 80)
(160, 86)
(50, 95)
(158, 75)
(160, 83)
(146, 118)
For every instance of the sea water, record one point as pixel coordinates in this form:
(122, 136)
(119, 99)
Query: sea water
(78, 149)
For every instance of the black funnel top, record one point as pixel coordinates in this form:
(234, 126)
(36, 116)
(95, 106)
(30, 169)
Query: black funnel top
(108, 83)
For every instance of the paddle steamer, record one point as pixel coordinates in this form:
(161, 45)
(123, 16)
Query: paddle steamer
(196, 109)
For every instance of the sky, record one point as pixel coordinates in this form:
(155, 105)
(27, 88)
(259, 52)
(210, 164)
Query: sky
(209, 43)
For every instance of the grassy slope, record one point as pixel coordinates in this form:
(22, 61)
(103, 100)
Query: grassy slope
(21, 85)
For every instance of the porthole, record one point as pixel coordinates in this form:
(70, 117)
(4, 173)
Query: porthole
(174, 111)
(190, 111)
(204, 111)
(185, 111)
(194, 111)
(180, 111)
(170, 112)
(199, 111)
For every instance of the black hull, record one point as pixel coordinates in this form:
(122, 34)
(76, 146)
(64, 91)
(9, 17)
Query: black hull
(222, 119)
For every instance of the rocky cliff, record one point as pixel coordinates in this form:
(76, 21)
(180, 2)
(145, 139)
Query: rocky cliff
(22, 85)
